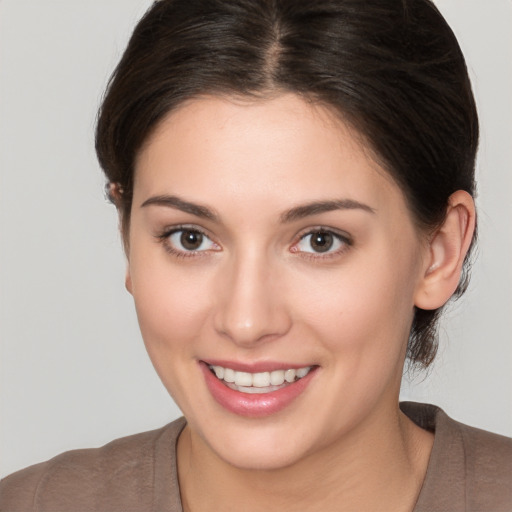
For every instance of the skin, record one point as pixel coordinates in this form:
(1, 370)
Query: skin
(256, 291)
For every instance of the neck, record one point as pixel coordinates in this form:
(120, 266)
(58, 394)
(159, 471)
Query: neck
(380, 465)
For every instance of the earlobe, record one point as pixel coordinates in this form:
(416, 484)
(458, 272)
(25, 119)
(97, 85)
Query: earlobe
(447, 249)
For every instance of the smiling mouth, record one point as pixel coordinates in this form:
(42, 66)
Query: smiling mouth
(261, 382)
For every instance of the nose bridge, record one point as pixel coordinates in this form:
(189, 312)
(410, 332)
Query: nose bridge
(251, 306)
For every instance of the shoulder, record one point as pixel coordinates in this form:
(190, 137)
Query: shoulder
(488, 465)
(117, 476)
(469, 468)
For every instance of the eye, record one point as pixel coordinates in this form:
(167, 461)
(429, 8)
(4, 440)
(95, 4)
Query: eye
(188, 240)
(322, 241)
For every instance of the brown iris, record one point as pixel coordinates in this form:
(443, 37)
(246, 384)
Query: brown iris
(321, 241)
(191, 240)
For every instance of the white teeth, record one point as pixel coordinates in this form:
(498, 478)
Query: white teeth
(229, 375)
(255, 382)
(261, 380)
(253, 390)
(289, 375)
(277, 377)
(219, 371)
(243, 379)
(302, 372)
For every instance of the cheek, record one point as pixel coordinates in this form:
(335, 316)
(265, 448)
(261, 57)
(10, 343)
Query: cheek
(171, 305)
(172, 308)
(364, 309)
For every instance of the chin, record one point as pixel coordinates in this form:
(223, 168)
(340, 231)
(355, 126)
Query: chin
(265, 445)
(259, 459)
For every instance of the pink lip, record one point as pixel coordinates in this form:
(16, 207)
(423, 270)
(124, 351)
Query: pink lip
(253, 405)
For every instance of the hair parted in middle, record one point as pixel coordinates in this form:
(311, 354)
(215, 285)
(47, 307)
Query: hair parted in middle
(391, 69)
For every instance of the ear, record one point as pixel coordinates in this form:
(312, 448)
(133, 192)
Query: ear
(126, 246)
(125, 238)
(446, 251)
(128, 279)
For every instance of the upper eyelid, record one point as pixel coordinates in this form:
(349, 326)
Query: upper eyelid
(324, 229)
(163, 238)
(341, 234)
(166, 232)
(169, 230)
(343, 237)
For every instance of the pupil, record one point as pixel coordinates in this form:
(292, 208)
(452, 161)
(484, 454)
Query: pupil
(321, 242)
(191, 240)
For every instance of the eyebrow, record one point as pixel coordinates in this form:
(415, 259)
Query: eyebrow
(316, 208)
(180, 204)
(294, 214)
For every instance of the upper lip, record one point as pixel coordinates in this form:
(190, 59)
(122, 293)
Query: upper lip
(256, 366)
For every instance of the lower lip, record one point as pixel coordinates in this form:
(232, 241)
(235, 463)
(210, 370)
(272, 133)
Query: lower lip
(254, 405)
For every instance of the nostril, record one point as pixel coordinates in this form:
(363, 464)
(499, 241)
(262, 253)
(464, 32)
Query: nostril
(255, 332)
(249, 308)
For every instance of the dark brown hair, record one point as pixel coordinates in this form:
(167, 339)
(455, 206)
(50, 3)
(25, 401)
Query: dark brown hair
(391, 68)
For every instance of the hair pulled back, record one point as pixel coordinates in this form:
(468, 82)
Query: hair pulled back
(391, 68)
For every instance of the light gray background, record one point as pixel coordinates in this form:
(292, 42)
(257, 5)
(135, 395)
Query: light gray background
(74, 372)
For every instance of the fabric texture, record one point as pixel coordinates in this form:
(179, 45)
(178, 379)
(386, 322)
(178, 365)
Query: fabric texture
(469, 470)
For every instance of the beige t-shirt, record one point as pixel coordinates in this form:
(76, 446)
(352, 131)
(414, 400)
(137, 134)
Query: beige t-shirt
(469, 470)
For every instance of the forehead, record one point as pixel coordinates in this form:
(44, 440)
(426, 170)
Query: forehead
(280, 151)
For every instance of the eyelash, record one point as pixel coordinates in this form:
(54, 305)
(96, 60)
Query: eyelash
(345, 241)
(164, 237)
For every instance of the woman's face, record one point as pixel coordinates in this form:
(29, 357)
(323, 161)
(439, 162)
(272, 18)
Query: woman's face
(266, 245)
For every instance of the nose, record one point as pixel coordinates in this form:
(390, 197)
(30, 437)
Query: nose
(250, 306)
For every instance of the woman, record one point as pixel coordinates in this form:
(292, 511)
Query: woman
(294, 182)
